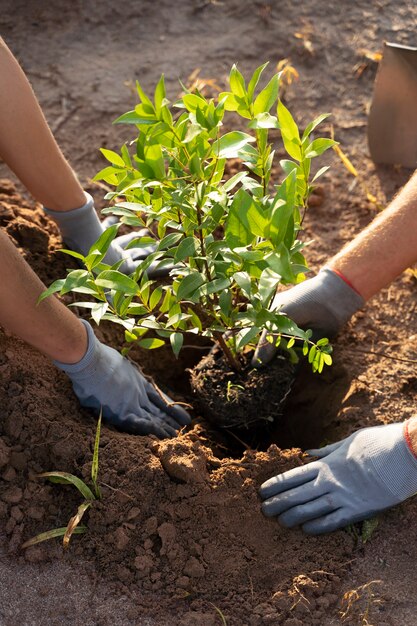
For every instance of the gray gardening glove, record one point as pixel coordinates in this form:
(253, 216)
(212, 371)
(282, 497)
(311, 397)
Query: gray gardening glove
(104, 379)
(370, 471)
(80, 228)
(323, 304)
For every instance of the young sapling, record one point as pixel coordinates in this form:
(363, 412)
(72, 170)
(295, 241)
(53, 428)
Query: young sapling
(228, 243)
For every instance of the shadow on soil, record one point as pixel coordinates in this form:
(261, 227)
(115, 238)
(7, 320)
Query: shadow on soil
(310, 415)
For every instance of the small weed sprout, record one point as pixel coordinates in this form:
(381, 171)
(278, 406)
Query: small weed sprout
(90, 495)
(229, 243)
(232, 391)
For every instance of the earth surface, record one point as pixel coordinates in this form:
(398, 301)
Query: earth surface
(178, 538)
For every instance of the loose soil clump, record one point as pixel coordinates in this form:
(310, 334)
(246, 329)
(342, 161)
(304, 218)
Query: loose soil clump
(245, 398)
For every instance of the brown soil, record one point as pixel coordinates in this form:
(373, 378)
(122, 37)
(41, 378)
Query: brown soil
(249, 398)
(179, 531)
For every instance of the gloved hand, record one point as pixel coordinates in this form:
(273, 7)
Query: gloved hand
(323, 304)
(80, 228)
(370, 471)
(104, 379)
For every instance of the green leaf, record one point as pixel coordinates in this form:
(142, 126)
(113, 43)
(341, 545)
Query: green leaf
(282, 210)
(317, 147)
(327, 359)
(151, 343)
(155, 160)
(228, 145)
(264, 120)
(234, 180)
(267, 97)
(160, 94)
(279, 262)
(246, 336)
(237, 82)
(309, 129)
(289, 132)
(188, 285)
(51, 534)
(288, 166)
(176, 340)
(268, 284)
(113, 157)
(143, 97)
(193, 102)
(225, 302)
(69, 479)
(126, 156)
(244, 281)
(102, 245)
(187, 248)
(155, 298)
(215, 286)
(56, 286)
(254, 80)
(98, 310)
(245, 221)
(321, 171)
(131, 117)
(112, 279)
(75, 280)
(237, 230)
(169, 241)
(176, 318)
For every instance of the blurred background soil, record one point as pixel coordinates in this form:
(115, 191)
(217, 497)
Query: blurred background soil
(179, 531)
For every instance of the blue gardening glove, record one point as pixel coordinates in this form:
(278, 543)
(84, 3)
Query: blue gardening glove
(80, 228)
(104, 379)
(323, 304)
(370, 471)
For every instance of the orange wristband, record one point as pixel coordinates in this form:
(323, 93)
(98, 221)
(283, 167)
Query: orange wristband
(408, 439)
(346, 280)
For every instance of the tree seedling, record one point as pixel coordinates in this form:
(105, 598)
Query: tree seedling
(90, 494)
(230, 243)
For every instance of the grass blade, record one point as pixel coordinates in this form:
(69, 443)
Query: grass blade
(220, 613)
(51, 534)
(69, 479)
(94, 467)
(73, 523)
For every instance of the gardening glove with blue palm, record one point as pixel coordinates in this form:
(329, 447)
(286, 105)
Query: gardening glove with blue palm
(323, 304)
(105, 380)
(80, 228)
(370, 471)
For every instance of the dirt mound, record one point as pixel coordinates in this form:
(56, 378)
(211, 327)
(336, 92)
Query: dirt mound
(179, 521)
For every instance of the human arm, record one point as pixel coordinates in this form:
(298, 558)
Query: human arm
(362, 268)
(29, 148)
(101, 377)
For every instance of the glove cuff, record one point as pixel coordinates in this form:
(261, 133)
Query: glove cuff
(343, 301)
(393, 461)
(86, 365)
(65, 217)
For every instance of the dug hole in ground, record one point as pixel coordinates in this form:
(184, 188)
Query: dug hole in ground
(179, 530)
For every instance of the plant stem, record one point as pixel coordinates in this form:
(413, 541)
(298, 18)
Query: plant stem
(233, 362)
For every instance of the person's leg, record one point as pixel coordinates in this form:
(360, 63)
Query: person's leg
(27, 144)
(50, 326)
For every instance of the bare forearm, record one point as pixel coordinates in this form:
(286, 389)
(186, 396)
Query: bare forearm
(50, 326)
(385, 248)
(27, 144)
